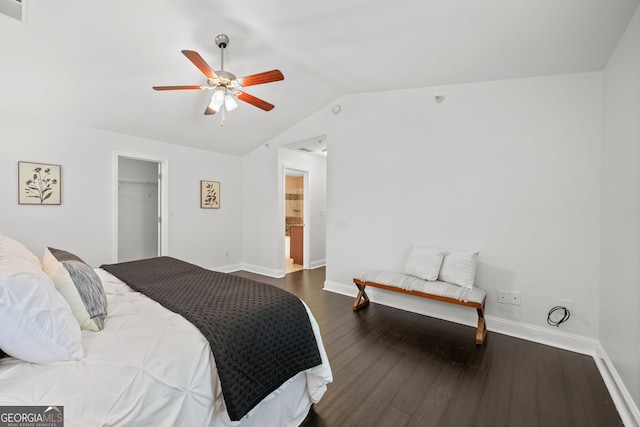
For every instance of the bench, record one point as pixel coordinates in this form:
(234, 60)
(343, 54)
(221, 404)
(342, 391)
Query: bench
(434, 290)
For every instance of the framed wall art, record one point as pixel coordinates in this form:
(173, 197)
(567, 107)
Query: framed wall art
(39, 184)
(210, 194)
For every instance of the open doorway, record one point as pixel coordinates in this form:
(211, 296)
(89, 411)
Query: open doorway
(294, 218)
(139, 207)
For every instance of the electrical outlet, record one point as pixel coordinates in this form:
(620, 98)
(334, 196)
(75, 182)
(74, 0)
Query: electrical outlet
(515, 298)
(226, 254)
(503, 297)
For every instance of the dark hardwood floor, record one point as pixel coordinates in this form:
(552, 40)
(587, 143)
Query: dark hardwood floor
(395, 368)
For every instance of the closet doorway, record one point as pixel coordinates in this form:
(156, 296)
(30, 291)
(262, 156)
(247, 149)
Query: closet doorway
(139, 209)
(294, 217)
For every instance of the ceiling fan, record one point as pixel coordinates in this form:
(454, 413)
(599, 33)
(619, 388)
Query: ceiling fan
(227, 88)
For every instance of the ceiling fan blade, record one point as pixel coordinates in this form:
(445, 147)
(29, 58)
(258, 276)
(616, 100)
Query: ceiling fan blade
(260, 78)
(202, 65)
(257, 102)
(192, 87)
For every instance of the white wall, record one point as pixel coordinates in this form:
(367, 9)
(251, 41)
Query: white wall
(83, 222)
(620, 272)
(511, 168)
(264, 206)
(263, 243)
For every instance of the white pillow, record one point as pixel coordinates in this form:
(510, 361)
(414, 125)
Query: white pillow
(459, 268)
(36, 323)
(79, 284)
(424, 262)
(12, 249)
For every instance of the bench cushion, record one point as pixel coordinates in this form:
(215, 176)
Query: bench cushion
(412, 283)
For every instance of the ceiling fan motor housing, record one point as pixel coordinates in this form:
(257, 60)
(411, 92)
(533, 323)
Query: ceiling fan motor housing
(225, 78)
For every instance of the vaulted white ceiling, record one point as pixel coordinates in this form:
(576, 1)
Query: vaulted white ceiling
(94, 63)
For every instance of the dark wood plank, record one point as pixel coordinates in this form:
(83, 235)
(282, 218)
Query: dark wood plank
(463, 408)
(374, 404)
(408, 399)
(579, 390)
(393, 418)
(339, 410)
(524, 385)
(493, 409)
(340, 387)
(482, 355)
(455, 360)
(552, 402)
(602, 398)
(432, 407)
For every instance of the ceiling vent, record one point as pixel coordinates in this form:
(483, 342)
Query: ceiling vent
(14, 9)
(306, 150)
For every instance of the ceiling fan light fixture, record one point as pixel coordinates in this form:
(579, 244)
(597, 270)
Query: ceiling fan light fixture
(217, 100)
(230, 102)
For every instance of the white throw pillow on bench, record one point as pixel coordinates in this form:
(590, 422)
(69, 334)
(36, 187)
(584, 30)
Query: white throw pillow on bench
(424, 262)
(459, 267)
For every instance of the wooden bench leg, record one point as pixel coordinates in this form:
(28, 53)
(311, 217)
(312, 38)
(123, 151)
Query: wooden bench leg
(482, 327)
(362, 299)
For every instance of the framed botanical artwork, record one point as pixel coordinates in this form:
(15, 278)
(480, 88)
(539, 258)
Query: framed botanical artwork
(39, 184)
(209, 194)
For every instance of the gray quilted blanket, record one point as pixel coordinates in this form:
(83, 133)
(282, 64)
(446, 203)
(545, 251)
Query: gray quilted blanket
(260, 335)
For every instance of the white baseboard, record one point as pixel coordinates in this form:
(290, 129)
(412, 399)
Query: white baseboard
(571, 342)
(340, 288)
(271, 272)
(627, 409)
(317, 264)
(227, 268)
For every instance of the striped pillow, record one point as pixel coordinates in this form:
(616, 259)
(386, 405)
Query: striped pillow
(79, 285)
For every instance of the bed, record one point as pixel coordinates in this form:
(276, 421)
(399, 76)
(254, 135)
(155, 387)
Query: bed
(145, 365)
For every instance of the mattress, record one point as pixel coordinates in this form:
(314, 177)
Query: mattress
(149, 366)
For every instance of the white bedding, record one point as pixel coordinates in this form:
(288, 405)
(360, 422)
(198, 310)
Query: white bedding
(149, 366)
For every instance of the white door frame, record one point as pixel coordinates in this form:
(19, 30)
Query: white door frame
(163, 198)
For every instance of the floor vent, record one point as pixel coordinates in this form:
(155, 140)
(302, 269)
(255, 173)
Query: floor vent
(15, 9)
